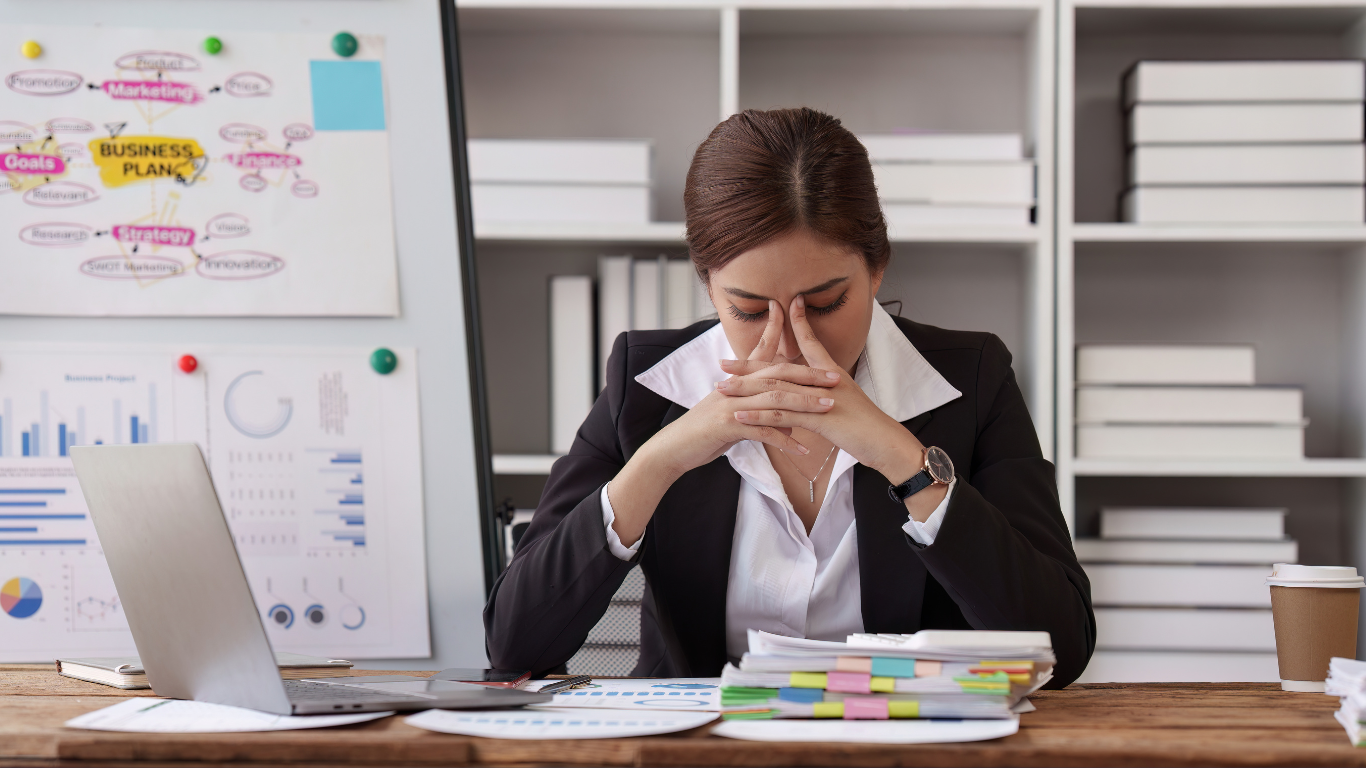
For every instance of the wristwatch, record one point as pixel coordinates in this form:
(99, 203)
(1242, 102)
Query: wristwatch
(938, 470)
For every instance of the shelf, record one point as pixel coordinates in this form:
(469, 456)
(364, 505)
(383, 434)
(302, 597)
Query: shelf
(1346, 234)
(787, 5)
(654, 233)
(985, 235)
(671, 233)
(522, 464)
(1267, 468)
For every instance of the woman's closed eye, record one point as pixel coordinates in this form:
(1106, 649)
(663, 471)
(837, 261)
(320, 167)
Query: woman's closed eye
(754, 317)
(747, 317)
(831, 307)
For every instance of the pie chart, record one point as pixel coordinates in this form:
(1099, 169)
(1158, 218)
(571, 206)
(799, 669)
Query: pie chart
(21, 597)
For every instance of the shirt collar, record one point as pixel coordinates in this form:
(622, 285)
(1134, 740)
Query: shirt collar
(891, 371)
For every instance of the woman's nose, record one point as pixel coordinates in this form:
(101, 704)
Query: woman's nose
(787, 343)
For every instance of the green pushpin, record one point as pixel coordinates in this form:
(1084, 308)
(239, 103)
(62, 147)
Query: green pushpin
(345, 45)
(213, 46)
(383, 360)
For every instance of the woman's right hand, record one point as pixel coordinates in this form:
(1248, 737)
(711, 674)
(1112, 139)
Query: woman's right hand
(705, 433)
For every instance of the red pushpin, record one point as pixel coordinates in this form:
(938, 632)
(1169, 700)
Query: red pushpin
(187, 363)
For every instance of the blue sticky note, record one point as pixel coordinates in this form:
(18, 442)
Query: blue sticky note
(347, 95)
(883, 667)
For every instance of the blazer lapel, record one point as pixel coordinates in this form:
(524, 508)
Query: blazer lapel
(687, 559)
(891, 575)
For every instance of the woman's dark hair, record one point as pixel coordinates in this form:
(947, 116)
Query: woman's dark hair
(761, 174)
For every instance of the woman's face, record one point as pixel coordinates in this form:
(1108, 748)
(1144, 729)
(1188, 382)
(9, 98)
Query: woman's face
(833, 279)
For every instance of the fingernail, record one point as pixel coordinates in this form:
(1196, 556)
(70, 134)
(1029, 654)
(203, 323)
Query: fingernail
(729, 362)
(800, 301)
(803, 449)
(722, 384)
(742, 415)
(832, 375)
(827, 401)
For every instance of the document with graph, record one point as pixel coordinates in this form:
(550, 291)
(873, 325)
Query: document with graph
(315, 456)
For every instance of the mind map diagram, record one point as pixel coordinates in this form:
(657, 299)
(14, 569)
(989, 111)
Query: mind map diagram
(145, 177)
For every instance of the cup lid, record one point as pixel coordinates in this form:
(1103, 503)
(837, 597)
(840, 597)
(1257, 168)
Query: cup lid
(1330, 576)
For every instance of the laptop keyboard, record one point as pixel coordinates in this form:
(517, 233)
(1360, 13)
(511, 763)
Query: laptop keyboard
(304, 690)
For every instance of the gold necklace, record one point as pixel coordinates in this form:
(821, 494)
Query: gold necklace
(811, 483)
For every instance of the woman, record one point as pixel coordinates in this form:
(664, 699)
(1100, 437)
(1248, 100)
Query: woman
(808, 465)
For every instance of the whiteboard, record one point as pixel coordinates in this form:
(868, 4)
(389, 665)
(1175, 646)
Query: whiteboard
(431, 311)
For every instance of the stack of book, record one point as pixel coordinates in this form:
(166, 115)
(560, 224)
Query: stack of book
(1188, 401)
(1347, 680)
(938, 179)
(535, 181)
(1180, 594)
(1245, 142)
(632, 295)
(931, 674)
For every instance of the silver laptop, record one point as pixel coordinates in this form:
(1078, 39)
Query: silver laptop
(190, 607)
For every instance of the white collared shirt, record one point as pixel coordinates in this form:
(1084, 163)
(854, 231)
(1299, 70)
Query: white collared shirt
(782, 579)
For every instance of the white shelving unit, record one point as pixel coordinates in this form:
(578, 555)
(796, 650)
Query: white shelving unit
(1296, 293)
(667, 71)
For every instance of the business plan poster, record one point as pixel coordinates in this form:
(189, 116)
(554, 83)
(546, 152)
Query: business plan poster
(316, 460)
(142, 175)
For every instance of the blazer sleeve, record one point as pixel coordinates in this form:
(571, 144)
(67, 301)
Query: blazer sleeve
(563, 576)
(1004, 553)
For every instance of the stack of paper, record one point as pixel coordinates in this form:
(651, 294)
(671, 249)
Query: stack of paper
(1176, 589)
(929, 179)
(1347, 680)
(534, 181)
(632, 295)
(1188, 401)
(931, 674)
(646, 295)
(1245, 142)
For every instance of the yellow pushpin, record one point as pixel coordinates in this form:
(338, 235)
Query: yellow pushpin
(31, 49)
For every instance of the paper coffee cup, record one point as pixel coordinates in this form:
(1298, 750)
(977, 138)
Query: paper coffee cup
(1314, 609)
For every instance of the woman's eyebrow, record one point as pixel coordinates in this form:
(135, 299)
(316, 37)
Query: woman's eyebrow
(825, 286)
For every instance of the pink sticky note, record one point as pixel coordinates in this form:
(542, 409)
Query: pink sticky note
(865, 708)
(848, 682)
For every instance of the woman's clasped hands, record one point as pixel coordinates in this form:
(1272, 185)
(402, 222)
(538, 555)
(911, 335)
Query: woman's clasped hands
(819, 397)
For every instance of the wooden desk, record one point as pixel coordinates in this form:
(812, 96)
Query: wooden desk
(1246, 724)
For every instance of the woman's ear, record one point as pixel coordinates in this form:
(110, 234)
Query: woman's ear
(875, 282)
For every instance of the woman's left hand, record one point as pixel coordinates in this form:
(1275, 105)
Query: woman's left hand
(856, 424)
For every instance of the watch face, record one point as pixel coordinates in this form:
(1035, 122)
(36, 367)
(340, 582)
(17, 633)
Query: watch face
(939, 464)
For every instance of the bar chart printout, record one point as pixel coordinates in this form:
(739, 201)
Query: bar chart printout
(315, 458)
(306, 462)
(48, 544)
(51, 402)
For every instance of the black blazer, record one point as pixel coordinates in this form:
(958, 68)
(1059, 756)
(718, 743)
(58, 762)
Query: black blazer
(1002, 559)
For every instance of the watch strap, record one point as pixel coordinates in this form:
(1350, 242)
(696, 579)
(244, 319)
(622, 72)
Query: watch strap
(918, 482)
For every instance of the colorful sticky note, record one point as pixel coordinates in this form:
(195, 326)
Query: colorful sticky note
(823, 709)
(893, 667)
(853, 664)
(807, 680)
(865, 708)
(903, 709)
(347, 95)
(802, 695)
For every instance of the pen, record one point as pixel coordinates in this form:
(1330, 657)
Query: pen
(567, 683)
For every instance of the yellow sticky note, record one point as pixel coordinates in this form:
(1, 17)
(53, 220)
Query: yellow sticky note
(828, 709)
(903, 709)
(883, 684)
(807, 680)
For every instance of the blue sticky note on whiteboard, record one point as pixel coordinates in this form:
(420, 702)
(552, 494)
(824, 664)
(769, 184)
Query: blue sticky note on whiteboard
(347, 95)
